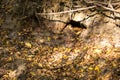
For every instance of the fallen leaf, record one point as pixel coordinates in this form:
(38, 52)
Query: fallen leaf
(27, 44)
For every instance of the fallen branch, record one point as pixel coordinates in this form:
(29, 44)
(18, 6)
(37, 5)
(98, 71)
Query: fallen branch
(79, 9)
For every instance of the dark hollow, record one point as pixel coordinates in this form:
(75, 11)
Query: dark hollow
(76, 24)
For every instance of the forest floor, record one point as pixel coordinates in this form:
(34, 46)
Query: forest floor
(32, 49)
(39, 54)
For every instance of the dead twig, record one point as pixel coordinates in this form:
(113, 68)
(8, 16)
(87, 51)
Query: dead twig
(100, 4)
(103, 3)
(115, 17)
(110, 9)
(110, 5)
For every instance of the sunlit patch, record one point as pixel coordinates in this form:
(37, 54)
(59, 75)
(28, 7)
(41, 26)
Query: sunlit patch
(97, 51)
(105, 43)
(72, 56)
(78, 16)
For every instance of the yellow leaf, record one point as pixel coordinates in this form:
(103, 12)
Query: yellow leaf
(42, 40)
(19, 33)
(55, 37)
(5, 76)
(114, 65)
(40, 65)
(68, 49)
(9, 59)
(27, 44)
(55, 49)
(81, 70)
(98, 51)
(90, 68)
(7, 42)
(65, 56)
(97, 69)
(29, 59)
(69, 62)
(73, 70)
(77, 50)
(48, 38)
(109, 50)
(32, 73)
